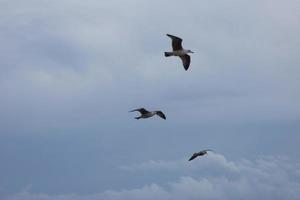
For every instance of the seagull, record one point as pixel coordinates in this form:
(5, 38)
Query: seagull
(201, 153)
(146, 114)
(179, 51)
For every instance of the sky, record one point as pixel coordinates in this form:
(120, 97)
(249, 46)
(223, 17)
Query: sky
(71, 71)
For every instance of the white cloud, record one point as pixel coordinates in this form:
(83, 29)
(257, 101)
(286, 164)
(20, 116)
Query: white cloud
(212, 159)
(271, 178)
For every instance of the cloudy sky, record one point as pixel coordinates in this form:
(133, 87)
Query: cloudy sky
(71, 71)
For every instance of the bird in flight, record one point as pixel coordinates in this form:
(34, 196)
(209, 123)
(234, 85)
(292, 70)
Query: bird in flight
(146, 114)
(179, 51)
(200, 153)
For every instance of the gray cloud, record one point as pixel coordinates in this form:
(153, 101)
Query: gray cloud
(63, 51)
(71, 70)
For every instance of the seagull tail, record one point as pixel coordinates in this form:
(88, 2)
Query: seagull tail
(167, 54)
(137, 117)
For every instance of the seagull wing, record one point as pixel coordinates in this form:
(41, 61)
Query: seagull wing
(186, 60)
(208, 150)
(141, 110)
(176, 42)
(161, 114)
(193, 157)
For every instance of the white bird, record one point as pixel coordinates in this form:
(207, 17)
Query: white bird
(179, 51)
(201, 153)
(146, 114)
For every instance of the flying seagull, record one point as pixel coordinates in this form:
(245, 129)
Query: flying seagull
(179, 51)
(146, 114)
(201, 153)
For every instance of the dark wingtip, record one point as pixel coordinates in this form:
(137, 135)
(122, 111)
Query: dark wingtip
(192, 158)
(166, 54)
(186, 67)
(169, 35)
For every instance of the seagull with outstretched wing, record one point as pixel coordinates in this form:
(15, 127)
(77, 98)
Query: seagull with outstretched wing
(146, 114)
(200, 153)
(179, 51)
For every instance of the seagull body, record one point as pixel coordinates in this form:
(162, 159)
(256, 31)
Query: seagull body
(146, 114)
(200, 153)
(179, 51)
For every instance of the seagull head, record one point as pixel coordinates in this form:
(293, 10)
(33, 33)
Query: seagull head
(189, 51)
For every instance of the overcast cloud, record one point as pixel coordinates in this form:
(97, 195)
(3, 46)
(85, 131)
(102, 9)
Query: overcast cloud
(71, 71)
